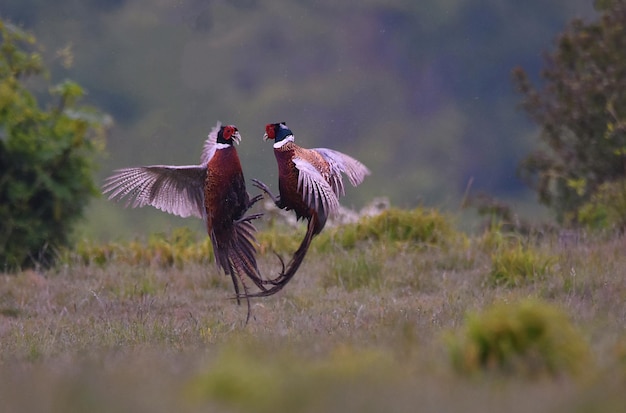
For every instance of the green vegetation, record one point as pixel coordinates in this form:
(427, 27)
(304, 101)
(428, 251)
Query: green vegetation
(46, 155)
(419, 227)
(263, 381)
(384, 323)
(394, 227)
(519, 264)
(179, 248)
(356, 269)
(581, 112)
(606, 209)
(528, 338)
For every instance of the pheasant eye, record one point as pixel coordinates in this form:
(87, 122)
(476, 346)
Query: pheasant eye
(269, 130)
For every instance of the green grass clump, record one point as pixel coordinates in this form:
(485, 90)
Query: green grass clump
(246, 380)
(355, 270)
(279, 238)
(529, 338)
(514, 266)
(163, 250)
(419, 225)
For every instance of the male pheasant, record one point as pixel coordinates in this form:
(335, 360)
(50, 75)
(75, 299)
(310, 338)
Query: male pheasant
(214, 191)
(310, 183)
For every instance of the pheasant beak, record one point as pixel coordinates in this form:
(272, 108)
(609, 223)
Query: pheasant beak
(265, 137)
(236, 137)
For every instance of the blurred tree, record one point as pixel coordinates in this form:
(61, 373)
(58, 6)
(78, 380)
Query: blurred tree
(46, 154)
(582, 113)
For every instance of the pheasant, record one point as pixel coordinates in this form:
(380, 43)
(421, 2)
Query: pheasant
(214, 191)
(310, 183)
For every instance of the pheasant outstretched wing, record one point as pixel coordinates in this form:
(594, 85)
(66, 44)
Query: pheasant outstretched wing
(342, 163)
(177, 190)
(316, 190)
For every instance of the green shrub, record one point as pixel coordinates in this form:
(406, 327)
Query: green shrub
(607, 207)
(512, 266)
(529, 338)
(46, 157)
(245, 380)
(165, 250)
(417, 225)
(580, 110)
(421, 226)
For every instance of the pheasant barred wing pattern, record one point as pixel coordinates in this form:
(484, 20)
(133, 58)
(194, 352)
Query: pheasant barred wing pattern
(340, 162)
(177, 190)
(210, 145)
(316, 191)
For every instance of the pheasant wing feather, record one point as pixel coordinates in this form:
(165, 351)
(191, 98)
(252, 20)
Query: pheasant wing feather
(210, 145)
(177, 190)
(316, 190)
(340, 162)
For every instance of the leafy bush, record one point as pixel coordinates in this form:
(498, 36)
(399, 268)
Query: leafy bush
(581, 111)
(46, 156)
(607, 207)
(529, 338)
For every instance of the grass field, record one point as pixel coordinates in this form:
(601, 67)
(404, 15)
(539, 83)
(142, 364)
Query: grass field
(395, 314)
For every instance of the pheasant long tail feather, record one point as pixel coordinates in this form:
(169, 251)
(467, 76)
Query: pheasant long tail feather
(240, 251)
(235, 254)
(234, 275)
(285, 276)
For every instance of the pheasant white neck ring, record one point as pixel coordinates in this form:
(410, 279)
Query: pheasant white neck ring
(280, 143)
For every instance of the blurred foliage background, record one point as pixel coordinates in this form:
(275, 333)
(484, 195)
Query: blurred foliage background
(421, 92)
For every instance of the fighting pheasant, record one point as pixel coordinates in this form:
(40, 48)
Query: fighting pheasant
(214, 191)
(309, 183)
